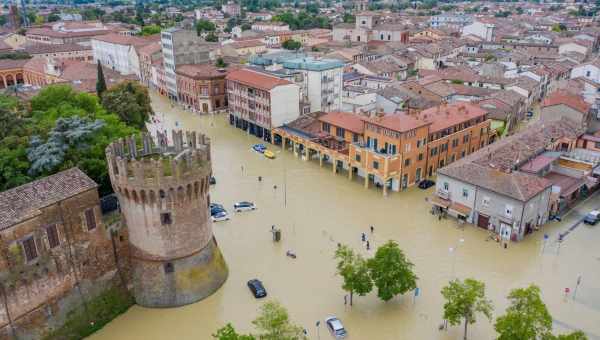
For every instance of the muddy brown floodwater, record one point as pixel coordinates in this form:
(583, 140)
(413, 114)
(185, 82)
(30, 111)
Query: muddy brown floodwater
(324, 209)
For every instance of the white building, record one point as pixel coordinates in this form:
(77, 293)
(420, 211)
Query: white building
(269, 26)
(589, 71)
(480, 29)
(118, 52)
(258, 102)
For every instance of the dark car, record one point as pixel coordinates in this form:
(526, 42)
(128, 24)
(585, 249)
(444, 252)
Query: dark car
(212, 180)
(216, 208)
(257, 288)
(426, 183)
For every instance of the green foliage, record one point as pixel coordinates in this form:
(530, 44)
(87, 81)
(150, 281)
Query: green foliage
(15, 55)
(291, 44)
(211, 37)
(53, 17)
(577, 335)
(353, 269)
(100, 81)
(204, 26)
(349, 18)
(527, 316)
(150, 30)
(391, 271)
(227, 332)
(130, 101)
(273, 323)
(559, 27)
(69, 133)
(50, 109)
(457, 81)
(303, 20)
(464, 300)
(3, 20)
(220, 63)
(100, 310)
(502, 14)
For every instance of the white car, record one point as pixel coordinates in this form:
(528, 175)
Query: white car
(335, 327)
(220, 216)
(244, 206)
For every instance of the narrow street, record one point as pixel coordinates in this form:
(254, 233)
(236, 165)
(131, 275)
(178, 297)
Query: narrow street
(323, 209)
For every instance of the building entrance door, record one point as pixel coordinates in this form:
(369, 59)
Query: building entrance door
(483, 221)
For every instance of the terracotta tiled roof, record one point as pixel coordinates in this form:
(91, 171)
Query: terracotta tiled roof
(7, 64)
(25, 201)
(200, 71)
(256, 79)
(346, 120)
(69, 34)
(400, 122)
(565, 98)
(54, 48)
(444, 116)
(119, 39)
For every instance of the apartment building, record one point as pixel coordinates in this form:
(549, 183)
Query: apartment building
(202, 87)
(119, 52)
(179, 47)
(258, 102)
(320, 80)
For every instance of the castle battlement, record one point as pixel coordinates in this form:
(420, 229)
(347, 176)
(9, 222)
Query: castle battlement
(160, 165)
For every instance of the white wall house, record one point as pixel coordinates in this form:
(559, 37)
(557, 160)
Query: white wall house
(480, 29)
(117, 53)
(589, 71)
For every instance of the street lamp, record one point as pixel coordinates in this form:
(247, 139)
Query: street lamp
(453, 251)
(318, 334)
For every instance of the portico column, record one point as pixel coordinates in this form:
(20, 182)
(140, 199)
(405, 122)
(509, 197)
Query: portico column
(350, 168)
(320, 159)
(334, 167)
(385, 188)
(306, 153)
(366, 180)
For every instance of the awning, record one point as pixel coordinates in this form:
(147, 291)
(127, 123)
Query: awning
(460, 209)
(440, 202)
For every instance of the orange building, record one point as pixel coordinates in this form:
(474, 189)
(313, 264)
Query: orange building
(393, 151)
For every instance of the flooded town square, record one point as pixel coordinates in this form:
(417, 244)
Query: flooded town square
(317, 209)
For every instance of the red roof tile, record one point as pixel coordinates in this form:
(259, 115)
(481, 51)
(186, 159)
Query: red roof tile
(346, 120)
(256, 79)
(565, 98)
(444, 116)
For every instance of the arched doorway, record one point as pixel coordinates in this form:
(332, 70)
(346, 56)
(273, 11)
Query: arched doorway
(19, 77)
(2, 85)
(10, 81)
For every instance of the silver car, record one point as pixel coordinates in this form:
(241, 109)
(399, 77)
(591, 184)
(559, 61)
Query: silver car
(335, 327)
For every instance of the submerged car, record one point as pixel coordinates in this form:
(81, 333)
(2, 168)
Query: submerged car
(244, 206)
(426, 183)
(259, 148)
(220, 216)
(335, 327)
(257, 288)
(269, 154)
(592, 217)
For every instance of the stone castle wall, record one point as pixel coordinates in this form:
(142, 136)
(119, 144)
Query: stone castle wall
(164, 196)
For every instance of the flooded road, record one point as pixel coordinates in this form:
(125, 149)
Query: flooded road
(323, 209)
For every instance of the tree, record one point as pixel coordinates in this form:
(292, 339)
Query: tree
(527, 316)
(349, 18)
(391, 271)
(559, 27)
(211, 37)
(354, 270)
(464, 300)
(273, 323)
(150, 30)
(227, 332)
(53, 17)
(204, 26)
(100, 81)
(130, 101)
(291, 44)
(577, 335)
(220, 63)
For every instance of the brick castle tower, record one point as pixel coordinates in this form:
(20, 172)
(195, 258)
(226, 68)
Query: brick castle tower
(164, 195)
